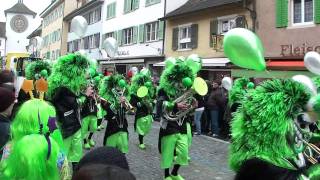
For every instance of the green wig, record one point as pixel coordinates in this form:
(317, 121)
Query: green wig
(37, 69)
(174, 75)
(31, 159)
(263, 127)
(31, 115)
(111, 82)
(142, 79)
(238, 90)
(69, 72)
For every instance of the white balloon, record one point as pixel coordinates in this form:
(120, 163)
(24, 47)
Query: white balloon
(227, 83)
(83, 52)
(79, 26)
(312, 62)
(307, 82)
(111, 46)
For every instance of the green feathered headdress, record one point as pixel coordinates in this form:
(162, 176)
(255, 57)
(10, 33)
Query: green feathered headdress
(179, 72)
(69, 72)
(107, 84)
(238, 90)
(38, 69)
(143, 78)
(263, 127)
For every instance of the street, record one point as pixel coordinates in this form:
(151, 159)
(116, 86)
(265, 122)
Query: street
(208, 157)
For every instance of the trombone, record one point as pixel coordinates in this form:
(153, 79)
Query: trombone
(127, 104)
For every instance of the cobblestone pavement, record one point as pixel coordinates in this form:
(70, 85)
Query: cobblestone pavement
(208, 157)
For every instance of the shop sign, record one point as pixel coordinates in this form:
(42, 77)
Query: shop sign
(291, 50)
(123, 53)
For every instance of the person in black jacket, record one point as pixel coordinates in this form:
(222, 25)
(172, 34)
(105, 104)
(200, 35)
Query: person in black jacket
(143, 102)
(115, 91)
(66, 83)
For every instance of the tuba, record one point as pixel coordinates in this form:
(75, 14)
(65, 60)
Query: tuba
(199, 87)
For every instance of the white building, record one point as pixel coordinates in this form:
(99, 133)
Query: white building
(91, 41)
(2, 39)
(136, 26)
(20, 23)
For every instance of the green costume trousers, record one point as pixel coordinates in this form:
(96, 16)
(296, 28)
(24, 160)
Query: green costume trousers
(144, 125)
(119, 140)
(89, 123)
(73, 145)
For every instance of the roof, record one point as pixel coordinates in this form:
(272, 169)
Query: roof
(90, 5)
(20, 8)
(50, 8)
(36, 32)
(2, 29)
(197, 5)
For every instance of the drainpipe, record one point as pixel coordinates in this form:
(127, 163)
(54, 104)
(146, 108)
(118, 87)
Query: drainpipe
(253, 13)
(164, 26)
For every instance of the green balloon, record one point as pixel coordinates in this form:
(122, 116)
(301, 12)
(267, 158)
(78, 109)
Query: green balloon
(148, 84)
(170, 62)
(194, 63)
(145, 72)
(44, 73)
(244, 49)
(250, 85)
(187, 82)
(37, 76)
(92, 72)
(122, 83)
(97, 79)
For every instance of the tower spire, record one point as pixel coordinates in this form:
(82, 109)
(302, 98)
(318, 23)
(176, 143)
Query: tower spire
(20, 1)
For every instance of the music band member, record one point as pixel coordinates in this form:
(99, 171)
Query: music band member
(114, 90)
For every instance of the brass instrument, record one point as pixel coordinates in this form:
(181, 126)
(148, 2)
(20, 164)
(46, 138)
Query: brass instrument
(200, 87)
(312, 152)
(127, 104)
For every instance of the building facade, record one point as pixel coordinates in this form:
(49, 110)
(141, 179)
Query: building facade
(91, 41)
(198, 27)
(34, 47)
(288, 29)
(51, 30)
(139, 32)
(20, 22)
(2, 39)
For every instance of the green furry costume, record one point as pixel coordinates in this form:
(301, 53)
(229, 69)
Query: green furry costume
(38, 69)
(175, 80)
(67, 81)
(111, 89)
(144, 105)
(265, 132)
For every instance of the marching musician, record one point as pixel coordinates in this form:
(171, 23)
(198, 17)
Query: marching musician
(142, 93)
(114, 90)
(175, 81)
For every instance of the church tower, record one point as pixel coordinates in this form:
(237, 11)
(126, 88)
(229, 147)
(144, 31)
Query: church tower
(19, 24)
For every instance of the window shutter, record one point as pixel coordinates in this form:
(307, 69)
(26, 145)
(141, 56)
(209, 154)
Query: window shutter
(99, 13)
(120, 36)
(135, 34)
(114, 7)
(136, 4)
(148, 2)
(317, 11)
(194, 36)
(115, 35)
(175, 39)
(127, 5)
(160, 30)
(281, 13)
(141, 33)
(213, 30)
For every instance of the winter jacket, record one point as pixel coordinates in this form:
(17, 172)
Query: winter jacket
(4, 131)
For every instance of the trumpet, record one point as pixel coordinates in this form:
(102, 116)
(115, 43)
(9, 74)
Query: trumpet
(200, 87)
(127, 104)
(312, 152)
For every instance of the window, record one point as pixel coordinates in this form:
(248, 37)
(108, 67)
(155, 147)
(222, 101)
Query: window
(97, 40)
(302, 11)
(185, 37)
(91, 42)
(86, 42)
(152, 31)
(128, 36)
(110, 34)
(76, 44)
(0, 42)
(93, 16)
(151, 2)
(225, 24)
(130, 5)
(97, 14)
(111, 10)
(69, 47)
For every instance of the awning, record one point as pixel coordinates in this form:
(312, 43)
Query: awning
(285, 63)
(213, 62)
(268, 74)
(126, 61)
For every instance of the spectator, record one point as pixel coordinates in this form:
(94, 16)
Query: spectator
(7, 98)
(198, 113)
(213, 107)
(104, 155)
(223, 106)
(102, 172)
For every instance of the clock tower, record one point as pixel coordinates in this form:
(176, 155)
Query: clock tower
(19, 24)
